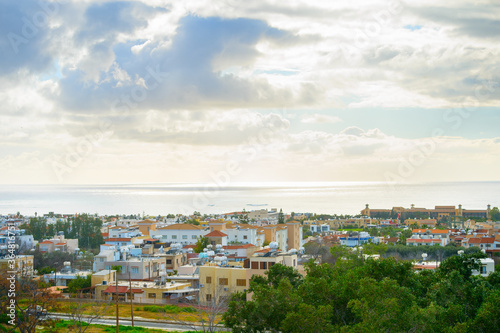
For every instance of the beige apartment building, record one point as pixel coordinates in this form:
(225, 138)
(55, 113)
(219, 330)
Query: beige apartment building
(218, 282)
(22, 265)
(294, 229)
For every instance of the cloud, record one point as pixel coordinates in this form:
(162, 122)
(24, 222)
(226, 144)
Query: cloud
(198, 82)
(317, 118)
(24, 37)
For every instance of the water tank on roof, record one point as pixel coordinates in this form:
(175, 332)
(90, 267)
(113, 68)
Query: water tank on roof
(273, 245)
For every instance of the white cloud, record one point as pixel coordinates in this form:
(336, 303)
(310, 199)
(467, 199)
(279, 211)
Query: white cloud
(317, 118)
(229, 67)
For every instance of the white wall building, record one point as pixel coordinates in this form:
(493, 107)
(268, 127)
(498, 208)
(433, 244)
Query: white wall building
(184, 233)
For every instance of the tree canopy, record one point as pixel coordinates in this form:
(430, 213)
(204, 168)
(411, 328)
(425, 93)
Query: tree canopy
(367, 295)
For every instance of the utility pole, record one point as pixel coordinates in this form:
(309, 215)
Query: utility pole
(131, 303)
(117, 316)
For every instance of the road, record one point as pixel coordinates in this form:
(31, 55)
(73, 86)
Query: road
(157, 324)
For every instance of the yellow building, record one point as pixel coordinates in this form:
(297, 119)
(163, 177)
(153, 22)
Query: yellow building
(294, 235)
(144, 292)
(105, 277)
(146, 226)
(218, 282)
(421, 222)
(22, 265)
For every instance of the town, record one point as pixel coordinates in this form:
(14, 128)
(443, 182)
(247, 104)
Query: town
(199, 260)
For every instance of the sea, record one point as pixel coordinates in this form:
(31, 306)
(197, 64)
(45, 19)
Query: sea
(185, 198)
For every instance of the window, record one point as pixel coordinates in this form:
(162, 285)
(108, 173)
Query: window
(263, 265)
(245, 237)
(169, 261)
(193, 237)
(184, 237)
(101, 259)
(483, 269)
(223, 281)
(174, 236)
(241, 282)
(151, 295)
(135, 270)
(255, 265)
(208, 297)
(208, 279)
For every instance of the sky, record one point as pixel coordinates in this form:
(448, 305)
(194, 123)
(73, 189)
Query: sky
(110, 92)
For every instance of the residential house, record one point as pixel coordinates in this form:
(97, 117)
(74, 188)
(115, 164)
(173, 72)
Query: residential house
(355, 239)
(182, 233)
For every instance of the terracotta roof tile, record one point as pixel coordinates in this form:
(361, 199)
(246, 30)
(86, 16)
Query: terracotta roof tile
(216, 233)
(234, 247)
(182, 226)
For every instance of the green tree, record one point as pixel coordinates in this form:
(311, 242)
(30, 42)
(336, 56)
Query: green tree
(38, 227)
(404, 235)
(87, 229)
(80, 283)
(308, 318)
(488, 316)
(201, 243)
(495, 214)
(279, 272)
(281, 217)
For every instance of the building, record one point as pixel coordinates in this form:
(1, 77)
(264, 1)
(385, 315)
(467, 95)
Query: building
(182, 233)
(243, 234)
(159, 292)
(140, 268)
(58, 243)
(65, 275)
(355, 239)
(217, 237)
(429, 237)
(22, 265)
(451, 213)
(487, 266)
(239, 252)
(146, 226)
(295, 236)
(218, 282)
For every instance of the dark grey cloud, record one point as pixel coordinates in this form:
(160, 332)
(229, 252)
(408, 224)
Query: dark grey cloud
(188, 78)
(471, 20)
(24, 36)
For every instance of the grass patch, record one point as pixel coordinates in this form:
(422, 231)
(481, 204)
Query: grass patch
(168, 309)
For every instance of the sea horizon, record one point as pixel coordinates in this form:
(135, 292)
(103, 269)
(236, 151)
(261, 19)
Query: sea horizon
(209, 198)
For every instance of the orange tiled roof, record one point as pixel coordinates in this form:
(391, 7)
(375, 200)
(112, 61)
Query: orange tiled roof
(439, 231)
(216, 233)
(474, 240)
(182, 226)
(234, 247)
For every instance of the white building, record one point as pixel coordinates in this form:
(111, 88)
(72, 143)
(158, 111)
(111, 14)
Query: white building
(243, 234)
(179, 233)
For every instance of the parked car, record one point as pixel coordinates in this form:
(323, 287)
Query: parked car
(36, 310)
(188, 299)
